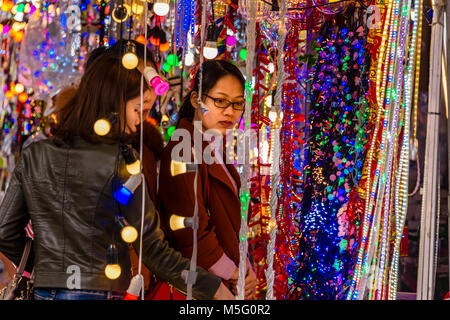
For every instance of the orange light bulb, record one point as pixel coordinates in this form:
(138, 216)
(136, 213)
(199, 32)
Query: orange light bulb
(163, 47)
(9, 94)
(18, 36)
(9, 5)
(154, 41)
(141, 39)
(23, 97)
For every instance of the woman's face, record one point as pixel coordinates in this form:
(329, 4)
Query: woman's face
(226, 88)
(133, 110)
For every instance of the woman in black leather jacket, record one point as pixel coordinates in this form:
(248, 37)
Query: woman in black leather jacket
(66, 185)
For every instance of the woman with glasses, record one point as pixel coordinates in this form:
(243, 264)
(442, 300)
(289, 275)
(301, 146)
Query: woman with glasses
(209, 116)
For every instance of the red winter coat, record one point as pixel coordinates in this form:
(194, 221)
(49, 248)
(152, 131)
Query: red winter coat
(218, 207)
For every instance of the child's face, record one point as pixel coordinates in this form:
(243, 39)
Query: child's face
(133, 109)
(227, 88)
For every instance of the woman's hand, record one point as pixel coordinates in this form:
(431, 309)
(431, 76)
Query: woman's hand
(223, 293)
(250, 282)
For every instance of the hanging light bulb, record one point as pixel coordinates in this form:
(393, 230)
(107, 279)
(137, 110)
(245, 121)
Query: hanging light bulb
(23, 97)
(5, 29)
(19, 88)
(189, 59)
(161, 7)
(177, 222)
(135, 287)
(164, 120)
(272, 115)
(231, 41)
(159, 85)
(126, 191)
(133, 164)
(130, 59)
(128, 233)
(243, 53)
(178, 167)
(268, 100)
(210, 49)
(112, 269)
(154, 40)
(103, 125)
(9, 94)
(120, 13)
(275, 117)
(163, 47)
(18, 36)
(141, 39)
(134, 168)
(27, 8)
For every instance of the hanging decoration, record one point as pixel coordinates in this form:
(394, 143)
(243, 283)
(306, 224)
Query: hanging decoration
(334, 157)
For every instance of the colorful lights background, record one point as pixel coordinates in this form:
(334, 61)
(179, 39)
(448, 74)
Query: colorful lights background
(333, 99)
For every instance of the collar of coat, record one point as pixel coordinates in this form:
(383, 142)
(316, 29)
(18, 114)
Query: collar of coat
(215, 170)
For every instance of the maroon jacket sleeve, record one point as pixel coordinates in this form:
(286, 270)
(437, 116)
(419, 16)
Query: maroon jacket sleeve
(176, 195)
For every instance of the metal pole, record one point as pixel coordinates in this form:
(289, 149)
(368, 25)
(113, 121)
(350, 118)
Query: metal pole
(447, 25)
(426, 275)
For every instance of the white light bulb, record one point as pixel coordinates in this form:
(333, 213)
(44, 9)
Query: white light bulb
(129, 234)
(19, 88)
(19, 16)
(210, 50)
(161, 7)
(130, 60)
(102, 127)
(273, 116)
(189, 59)
(176, 222)
(268, 100)
(134, 168)
(113, 271)
(271, 67)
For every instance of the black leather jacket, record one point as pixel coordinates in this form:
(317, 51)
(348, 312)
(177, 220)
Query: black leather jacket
(67, 193)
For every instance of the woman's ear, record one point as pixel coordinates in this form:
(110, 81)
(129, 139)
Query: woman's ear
(194, 99)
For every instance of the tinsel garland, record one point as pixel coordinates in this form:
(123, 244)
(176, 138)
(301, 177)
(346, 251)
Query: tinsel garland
(259, 189)
(292, 143)
(244, 193)
(275, 151)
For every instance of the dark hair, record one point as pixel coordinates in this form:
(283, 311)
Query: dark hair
(104, 89)
(212, 71)
(118, 49)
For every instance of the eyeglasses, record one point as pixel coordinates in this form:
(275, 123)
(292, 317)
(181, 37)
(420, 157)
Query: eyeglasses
(224, 103)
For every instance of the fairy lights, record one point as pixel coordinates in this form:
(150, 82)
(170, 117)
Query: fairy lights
(387, 192)
(332, 164)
